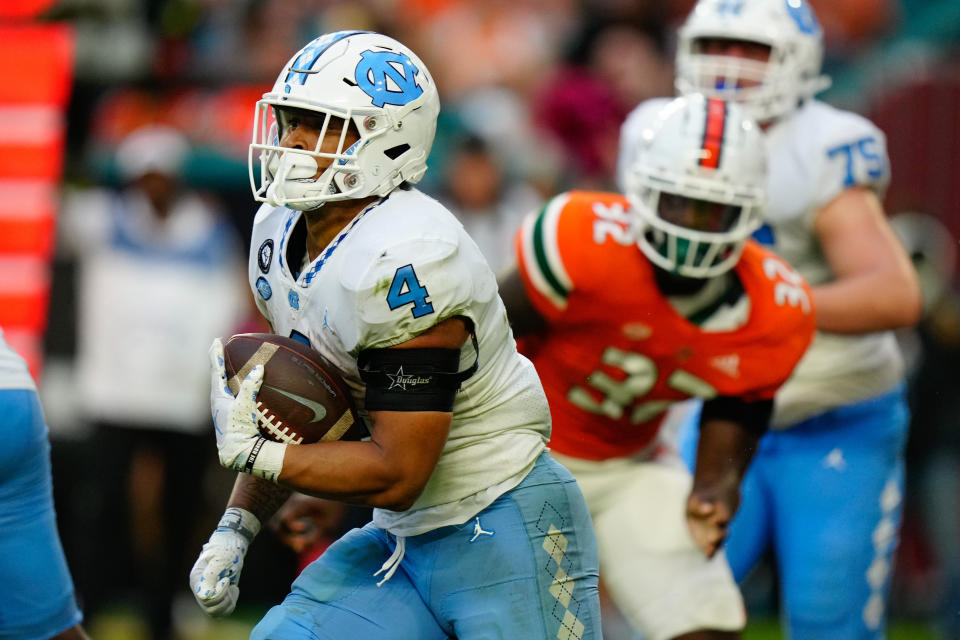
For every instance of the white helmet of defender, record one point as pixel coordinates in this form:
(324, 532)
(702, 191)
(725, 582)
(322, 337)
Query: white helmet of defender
(696, 185)
(377, 86)
(768, 89)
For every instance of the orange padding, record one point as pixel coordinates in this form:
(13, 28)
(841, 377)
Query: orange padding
(36, 63)
(25, 309)
(44, 161)
(24, 8)
(27, 235)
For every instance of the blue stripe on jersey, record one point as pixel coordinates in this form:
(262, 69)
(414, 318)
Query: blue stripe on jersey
(329, 250)
(283, 236)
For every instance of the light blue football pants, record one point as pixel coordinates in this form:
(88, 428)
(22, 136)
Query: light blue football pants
(524, 567)
(826, 495)
(36, 592)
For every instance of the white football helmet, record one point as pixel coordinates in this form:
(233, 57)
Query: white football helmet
(371, 81)
(768, 89)
(696, 185)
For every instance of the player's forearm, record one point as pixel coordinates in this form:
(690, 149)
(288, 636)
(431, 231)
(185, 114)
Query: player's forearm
(723, 454)
(259, 497)
(880, 301)
(354, 472)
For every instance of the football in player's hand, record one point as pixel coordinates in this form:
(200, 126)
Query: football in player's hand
(302, 399)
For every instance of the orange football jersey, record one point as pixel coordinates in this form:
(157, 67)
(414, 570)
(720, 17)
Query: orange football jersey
(617, 355)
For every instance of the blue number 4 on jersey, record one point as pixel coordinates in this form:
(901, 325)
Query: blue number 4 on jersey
(406, 289)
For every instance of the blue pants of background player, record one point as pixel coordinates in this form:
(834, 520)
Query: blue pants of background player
(826, 495)
(524, 567)
(38, 600)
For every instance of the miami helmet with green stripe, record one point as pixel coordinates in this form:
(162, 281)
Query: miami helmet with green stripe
(696, 185)
(379, 87)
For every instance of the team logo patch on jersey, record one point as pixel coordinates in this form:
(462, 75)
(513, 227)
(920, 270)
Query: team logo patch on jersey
(401, 380)
(263, 288)
(265, 255)
(294, 299)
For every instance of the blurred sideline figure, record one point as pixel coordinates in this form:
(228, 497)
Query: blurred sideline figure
(487, 202)
(629, 304)
(476, 531)
(825, 488)
(157, 282)
(932, 352)
(38, 598)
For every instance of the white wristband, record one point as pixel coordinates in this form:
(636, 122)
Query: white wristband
(241, 521)
(265, 459)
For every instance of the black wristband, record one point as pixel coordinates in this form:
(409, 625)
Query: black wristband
(752, 416)
(252, 456)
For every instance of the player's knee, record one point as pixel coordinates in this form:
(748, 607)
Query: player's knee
(276, 625)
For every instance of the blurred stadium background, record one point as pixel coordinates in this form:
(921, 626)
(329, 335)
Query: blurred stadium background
(533, 94)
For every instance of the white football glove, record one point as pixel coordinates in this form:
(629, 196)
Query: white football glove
(239, 443)
(214, 577)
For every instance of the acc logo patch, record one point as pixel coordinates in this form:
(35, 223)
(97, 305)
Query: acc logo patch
(387, 77)
(263, 288)
(265, 255)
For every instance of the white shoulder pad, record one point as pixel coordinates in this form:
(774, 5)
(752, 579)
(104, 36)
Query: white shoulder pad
(265, 212)
(411, 265)
(845, 150)
(630, 132)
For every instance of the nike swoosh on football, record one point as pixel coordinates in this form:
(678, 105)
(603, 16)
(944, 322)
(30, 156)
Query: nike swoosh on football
(319, 411)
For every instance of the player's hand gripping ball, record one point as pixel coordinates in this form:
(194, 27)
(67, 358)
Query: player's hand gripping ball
(302, 398)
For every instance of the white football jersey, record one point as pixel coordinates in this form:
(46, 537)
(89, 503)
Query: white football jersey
(398, 268)
(813, 155)
(14, 373)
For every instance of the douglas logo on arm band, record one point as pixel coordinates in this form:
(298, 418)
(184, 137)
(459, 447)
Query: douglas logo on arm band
(413, 379)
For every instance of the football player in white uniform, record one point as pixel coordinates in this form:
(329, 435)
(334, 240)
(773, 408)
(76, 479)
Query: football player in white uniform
(476, 531)
(825, 487)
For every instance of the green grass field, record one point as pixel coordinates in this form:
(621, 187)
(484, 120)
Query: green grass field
(899, 630)
(122, 625)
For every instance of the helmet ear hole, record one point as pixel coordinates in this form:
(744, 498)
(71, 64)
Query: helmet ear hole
(395, 152)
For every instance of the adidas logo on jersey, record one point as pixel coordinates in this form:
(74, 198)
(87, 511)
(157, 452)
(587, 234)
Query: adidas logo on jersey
(729, 364)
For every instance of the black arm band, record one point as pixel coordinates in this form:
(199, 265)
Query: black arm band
(413, 379)
(752, 416)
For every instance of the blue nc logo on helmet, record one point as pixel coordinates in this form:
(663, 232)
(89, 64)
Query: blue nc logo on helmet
(388, 77)
(803, 15)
